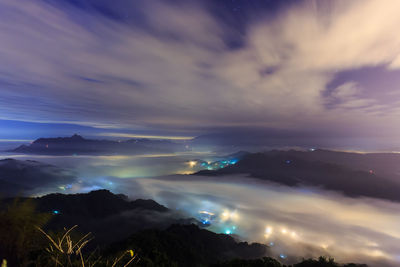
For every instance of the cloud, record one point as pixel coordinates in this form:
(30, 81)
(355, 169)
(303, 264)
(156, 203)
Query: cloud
(323, 222)
(304, 222)
(349, 95)
(167, 66)
(125, 135)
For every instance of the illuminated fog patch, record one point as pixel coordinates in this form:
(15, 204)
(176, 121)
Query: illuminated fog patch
(293, 222)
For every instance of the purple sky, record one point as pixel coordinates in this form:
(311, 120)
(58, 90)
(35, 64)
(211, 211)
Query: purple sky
(184, 68)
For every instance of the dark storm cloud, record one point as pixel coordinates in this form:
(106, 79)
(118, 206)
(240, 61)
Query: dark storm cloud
(191, 65)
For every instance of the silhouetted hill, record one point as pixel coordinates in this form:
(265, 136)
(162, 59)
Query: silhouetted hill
(296, 168)
(187, 245)
(95, 204)
(158, 236)
(77, 145)
(385, 164)
(237, 155)
(109, 216)
(113, 218)
(269, 262)
(25, 177)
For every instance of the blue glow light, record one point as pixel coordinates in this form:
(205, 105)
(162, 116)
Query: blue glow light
(271, 244)
(56, 212)
(282, 256)
(228, 232)
(206, 217)
(288, 161)
(206, 222)
(233, 161)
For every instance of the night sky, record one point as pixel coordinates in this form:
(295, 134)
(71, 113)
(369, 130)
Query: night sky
(187, 68)
(240, 75)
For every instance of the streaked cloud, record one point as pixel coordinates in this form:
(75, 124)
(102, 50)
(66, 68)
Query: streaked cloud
(167, 66)
(15, 140)
(125, 135)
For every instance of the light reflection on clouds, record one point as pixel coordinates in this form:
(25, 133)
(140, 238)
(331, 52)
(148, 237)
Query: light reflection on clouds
(317, 223)
(295, 222)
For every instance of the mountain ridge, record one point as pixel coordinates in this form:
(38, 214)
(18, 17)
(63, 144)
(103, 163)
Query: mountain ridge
(78, 145)
(296, 168)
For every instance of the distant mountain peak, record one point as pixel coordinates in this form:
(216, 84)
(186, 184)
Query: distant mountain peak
(76, 144)
(77, 137)
(7, 160)
(73, 138)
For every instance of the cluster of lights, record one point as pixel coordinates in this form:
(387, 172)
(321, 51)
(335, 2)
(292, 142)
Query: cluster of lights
(229, 231)
(283, 232)
(269, 230)
(206, 217)
(65, 187)
(226, 220)
(229, 216)
(218, 164)
(211, 165)
(192, 163)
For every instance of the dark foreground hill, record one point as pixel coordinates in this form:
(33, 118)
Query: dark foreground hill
(95, 204)
(188, 245)
(294, 168)
(100, 212)
(152, 230)
(269, 262)
(160, 238)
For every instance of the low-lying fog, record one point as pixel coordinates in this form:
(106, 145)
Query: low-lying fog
(120, 166)
(295, 222)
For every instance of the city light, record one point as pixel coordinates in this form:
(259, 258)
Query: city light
(192, 163)
(268, 230)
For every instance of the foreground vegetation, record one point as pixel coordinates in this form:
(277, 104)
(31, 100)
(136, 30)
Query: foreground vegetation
(26, 240)
(269, 262)
(23, 242)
